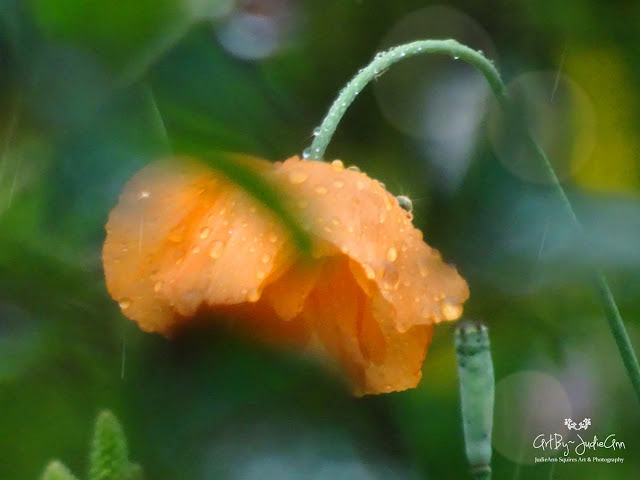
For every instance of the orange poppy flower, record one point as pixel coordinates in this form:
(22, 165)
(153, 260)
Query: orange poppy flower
(184, 242)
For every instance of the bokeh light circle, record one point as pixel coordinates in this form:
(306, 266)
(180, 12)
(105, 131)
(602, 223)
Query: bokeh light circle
(560, 116)
(527, 404)
(408, 93)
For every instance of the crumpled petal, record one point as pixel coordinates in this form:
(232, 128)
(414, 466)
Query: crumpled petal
(184, 241)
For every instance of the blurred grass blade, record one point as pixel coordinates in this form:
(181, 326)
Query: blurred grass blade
(263, 191)
(57, 471)
(109, 458)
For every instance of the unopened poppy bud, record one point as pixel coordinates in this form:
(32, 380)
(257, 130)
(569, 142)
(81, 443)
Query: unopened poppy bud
(475, 372)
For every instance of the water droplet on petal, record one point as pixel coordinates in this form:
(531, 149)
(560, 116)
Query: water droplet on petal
(422, 268)
(392, 254)
(320, 190)
(265, 258)
(260, 274)
(353, 168)
(369, 272)
(216, 249)
(405, 203)
(144, 194)
(338, 183)
(390, 276)
(204, 233)
(253, 295)
(273, 238)
(337, 165)
(451, 309)
(429, 312)
(298, 177)
(360, 185)
(196, 249)
(125, 303)
(157, 287)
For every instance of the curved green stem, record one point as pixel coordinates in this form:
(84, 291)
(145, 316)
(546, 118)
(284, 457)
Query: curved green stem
(384, 60)
(458, 51)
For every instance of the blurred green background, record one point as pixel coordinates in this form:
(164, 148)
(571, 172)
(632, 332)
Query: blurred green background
(92, 91)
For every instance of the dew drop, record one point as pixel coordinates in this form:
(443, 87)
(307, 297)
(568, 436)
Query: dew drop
(321, 190)
(456, 57)
(390, 276)
(265, 258)
(273, 238)
(335, 221)
(260, 274)
(422, 268)
(369, 272)
(338, 183)
(353, 168)
(350, 229)
(405, 203)
(196, 249)
(296, 178)
(204, 233)
(306, 153)
(125, 303)
(337, 165)
(429, 312)
(253, 295)
(176, 235)
(451, 309)
(316, 131)
(216, 249)
(144, 194)
(392, 254)
(157, 287)
(360, 185)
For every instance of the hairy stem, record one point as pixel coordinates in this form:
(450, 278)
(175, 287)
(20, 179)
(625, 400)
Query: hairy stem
(456, 50)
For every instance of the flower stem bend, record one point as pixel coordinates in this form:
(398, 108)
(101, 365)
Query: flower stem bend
(452, 48)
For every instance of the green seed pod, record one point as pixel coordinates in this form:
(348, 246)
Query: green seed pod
(475, 371)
